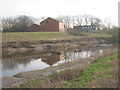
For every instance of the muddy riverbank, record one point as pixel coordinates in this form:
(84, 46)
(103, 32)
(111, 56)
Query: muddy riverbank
(37, 61)
(55, 46)
(24, 61)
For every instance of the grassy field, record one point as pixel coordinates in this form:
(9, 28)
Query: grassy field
(102, 73)
(35, 36)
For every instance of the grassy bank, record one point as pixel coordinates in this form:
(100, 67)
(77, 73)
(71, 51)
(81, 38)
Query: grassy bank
(101, 73)
(35, 36)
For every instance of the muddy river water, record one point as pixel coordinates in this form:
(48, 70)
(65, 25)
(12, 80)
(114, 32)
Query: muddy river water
(14, 66)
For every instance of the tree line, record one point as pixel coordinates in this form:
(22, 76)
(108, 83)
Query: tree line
(79, 20)
(17, 24)
(22, 23)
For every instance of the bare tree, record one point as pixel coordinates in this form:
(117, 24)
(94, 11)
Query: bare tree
(66, 19)
(92, 19)
(98, 23)
(38, 20)
(108, 22)
(18, 24)
(7, 24)
(86, 19)
(95, 21)
(73, 20)
(61, 18)
(79, 20)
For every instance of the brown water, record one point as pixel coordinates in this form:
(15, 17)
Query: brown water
(12, 67)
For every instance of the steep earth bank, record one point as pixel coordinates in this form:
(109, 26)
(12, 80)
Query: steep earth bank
(11, 48)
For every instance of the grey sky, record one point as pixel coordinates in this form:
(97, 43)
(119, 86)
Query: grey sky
(52, 8)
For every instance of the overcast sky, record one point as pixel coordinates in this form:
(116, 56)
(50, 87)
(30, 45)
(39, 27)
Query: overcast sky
(52, 8)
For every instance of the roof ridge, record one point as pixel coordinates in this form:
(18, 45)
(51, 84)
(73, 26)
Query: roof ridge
(55, 19)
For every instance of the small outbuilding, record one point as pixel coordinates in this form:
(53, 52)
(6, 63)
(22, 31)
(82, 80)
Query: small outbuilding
(34, 28)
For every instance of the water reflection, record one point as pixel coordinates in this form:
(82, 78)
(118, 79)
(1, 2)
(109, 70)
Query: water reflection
(78, 56)
(11, 64)
(50, 60)
(14, 66)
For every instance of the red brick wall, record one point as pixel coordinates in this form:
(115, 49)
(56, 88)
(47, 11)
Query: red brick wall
(34, 28)
(49, 25)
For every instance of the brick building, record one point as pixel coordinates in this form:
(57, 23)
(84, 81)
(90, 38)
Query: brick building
(48, 25)
(34, 28)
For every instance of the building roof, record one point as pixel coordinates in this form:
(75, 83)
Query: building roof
(52, 19)
(85, 25)
(35, 24)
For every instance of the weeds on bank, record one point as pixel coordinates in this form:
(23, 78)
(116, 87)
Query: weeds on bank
(99, 74)
(102, 73)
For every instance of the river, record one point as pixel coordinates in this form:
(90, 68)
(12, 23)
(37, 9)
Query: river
(17, 65)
